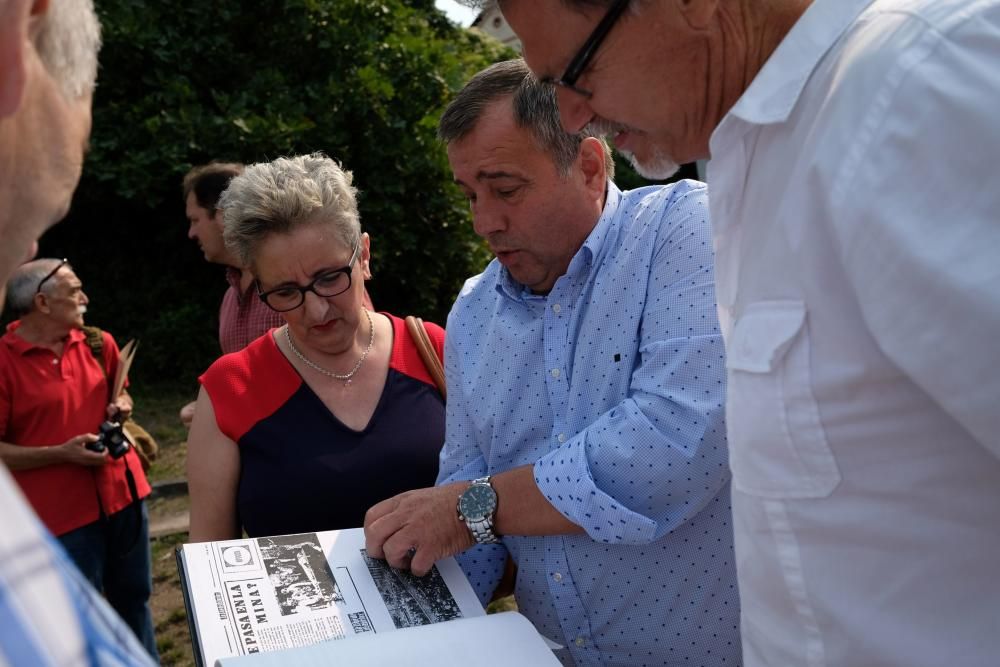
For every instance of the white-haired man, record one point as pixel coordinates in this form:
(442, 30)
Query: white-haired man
(852, 145)
(48, 63)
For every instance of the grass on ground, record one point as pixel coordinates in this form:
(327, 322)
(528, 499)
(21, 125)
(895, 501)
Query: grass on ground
(157, 411)
(169, 617)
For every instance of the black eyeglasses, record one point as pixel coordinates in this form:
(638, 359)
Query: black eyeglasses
(49, 275)
(582, 59)
(329, 283)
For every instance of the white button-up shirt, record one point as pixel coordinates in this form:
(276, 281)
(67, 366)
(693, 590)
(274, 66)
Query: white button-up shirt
(856, 213)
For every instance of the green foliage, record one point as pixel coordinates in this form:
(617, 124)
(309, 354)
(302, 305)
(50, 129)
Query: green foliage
(185, 83)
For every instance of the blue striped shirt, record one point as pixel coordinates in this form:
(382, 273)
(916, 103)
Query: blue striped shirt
(50, 616)
(612, 387)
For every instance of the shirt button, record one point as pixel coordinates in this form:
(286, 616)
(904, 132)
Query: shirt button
(55, 362)
(580, 641)
(557, 577)
(556, 308)
(555, 372)
(561, 437)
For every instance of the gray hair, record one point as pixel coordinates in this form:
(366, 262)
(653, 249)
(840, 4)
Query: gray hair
(280, 196)
(68, 41)
(535, 109)
(23, 283)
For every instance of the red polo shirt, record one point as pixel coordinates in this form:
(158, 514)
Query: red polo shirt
(45, 400)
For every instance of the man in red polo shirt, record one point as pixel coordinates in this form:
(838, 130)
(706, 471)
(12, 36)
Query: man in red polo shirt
(53, 397)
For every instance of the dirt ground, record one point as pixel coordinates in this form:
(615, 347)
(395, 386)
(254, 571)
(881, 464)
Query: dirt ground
(157, 412)
(169, 617)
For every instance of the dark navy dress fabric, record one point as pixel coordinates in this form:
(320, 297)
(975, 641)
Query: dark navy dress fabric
(301, 469)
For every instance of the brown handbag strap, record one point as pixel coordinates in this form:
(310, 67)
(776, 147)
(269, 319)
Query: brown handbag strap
(95, 341)
(418, 333)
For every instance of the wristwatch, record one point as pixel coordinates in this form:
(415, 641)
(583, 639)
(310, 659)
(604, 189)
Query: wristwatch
(477, 506)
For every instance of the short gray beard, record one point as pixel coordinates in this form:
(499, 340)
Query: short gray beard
(660, 166)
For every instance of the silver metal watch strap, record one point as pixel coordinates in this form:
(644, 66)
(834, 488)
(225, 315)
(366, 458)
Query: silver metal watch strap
(482, 531)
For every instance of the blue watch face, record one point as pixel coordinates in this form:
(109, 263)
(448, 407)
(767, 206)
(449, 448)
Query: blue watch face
(478, 502)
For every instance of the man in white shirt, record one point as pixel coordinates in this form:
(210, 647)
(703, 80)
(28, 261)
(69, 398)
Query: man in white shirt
(856, 220)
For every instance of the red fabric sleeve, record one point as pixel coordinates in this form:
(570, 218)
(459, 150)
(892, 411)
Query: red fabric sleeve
(405, 357)
(4, 399)
(249, 385)
(436, 335)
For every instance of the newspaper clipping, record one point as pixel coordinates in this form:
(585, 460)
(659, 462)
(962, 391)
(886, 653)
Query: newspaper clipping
(255, 595)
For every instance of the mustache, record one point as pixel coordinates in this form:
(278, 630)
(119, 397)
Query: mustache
(606, 128)
(81, 310)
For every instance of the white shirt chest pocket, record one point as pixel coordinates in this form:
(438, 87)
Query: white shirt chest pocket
(778, 448)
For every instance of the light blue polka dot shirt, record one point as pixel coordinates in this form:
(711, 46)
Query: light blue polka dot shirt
(612, 387)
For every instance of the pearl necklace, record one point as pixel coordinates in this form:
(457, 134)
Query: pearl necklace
(337, 376)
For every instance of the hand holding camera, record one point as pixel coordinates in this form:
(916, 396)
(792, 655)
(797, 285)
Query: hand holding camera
(91, 449)
(110, 438)
(77, 450)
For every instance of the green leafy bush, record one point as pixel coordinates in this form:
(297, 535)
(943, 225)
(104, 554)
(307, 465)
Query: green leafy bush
(183, 83)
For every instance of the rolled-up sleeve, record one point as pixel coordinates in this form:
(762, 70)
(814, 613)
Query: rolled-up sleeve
(653, 461)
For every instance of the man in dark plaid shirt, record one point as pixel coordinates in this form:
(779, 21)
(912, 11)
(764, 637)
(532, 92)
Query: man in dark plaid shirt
(242, 317)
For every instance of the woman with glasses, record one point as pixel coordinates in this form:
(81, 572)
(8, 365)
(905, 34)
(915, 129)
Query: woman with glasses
(321, 418)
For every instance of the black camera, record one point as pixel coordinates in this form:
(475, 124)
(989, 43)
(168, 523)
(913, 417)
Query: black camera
(110, 437)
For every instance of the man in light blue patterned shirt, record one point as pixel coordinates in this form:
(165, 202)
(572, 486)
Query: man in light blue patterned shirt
(586, 388)
(49, 615)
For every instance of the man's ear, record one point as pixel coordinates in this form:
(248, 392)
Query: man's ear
(698, 14)
(41, 302)
(591, 158)
(13, 41)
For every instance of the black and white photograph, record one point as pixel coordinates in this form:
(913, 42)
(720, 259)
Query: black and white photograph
(412, 600)
(299, 573)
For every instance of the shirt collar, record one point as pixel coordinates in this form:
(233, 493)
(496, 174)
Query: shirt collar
(582, 260)
(20, 346)
(775, 90)
(233, 277)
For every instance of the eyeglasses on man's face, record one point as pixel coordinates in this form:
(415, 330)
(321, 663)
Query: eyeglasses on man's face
(578, 65)
(327, 284)
(48, 276)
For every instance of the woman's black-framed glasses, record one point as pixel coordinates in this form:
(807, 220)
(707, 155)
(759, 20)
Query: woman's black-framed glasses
(48, 276)
(582, 59)
(329, 283)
